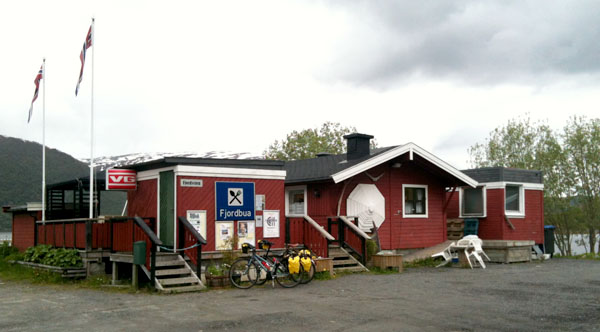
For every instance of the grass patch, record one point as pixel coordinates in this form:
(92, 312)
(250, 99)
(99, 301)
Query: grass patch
(427, 262)
(587, 256)
(324, 275)
(378, 270)
(12, 272)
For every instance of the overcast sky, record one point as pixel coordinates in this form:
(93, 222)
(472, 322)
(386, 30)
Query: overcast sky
(174, 76)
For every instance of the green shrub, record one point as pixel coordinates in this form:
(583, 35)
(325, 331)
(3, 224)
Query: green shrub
(7, 250)
(45, 254)
(427, 262)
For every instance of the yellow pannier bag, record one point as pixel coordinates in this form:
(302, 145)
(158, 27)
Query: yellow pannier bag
(294, 264)
(305, 263)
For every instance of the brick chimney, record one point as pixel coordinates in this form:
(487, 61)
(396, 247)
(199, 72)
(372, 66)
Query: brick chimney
(357, 145)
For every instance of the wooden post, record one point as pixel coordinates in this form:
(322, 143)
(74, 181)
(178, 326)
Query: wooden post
(115, 272)
(153, 264)
(134, 276)
(287, 230)
(181, 239)
(35, 232)
(88, 235)
(198, 260)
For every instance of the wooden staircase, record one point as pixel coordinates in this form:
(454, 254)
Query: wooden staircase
(343, 261)
(174, 275)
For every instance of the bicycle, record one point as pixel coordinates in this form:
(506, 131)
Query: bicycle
(304, 254)
(244, 272)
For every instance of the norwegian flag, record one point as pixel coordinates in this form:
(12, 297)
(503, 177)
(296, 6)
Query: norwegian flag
(38, 77)
(87, 44)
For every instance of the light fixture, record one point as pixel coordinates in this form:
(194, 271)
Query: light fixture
(396, 165)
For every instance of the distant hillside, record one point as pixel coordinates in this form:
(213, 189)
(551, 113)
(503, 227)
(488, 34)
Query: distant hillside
(21, 170)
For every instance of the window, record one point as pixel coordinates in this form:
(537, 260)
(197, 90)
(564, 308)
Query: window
(295, 201)
(472, 202)
(415, 201)
(514, 200)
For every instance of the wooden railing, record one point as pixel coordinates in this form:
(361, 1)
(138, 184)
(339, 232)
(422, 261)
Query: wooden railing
(308, 232)
(113, 234)
(190, 237)
(349, 236)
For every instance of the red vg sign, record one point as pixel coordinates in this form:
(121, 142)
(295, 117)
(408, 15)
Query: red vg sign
(121, 179)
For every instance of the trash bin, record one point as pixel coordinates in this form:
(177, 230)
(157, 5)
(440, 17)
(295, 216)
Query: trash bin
(549, 239)
(139, 252)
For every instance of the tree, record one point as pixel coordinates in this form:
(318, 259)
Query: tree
(307, 143)
(523, 144)
(582, 144)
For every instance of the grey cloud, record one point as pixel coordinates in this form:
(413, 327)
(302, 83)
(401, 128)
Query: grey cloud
(472, 41)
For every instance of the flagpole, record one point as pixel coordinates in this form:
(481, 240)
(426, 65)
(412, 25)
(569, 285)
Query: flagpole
(44, 143)
(92, 128)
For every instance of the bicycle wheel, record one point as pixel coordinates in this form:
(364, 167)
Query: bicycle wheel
(285, 278)
(261, 276)
(242, 273)
(308, 276)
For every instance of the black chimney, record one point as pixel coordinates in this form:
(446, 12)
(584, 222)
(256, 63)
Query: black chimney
(358, 145)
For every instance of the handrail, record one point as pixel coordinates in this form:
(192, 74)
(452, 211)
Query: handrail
(192, 230)
(66, 221)
(319, 228)
(140, 222)
(355, 228)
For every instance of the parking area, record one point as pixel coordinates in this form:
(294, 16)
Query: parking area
(560, 294)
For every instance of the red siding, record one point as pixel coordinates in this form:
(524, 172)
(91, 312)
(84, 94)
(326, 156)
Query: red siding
(23, 225)
(396, 232)
(143, 202)
(203, 198)
(494, 227)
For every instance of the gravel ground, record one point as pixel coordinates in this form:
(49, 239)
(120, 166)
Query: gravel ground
(557, 295)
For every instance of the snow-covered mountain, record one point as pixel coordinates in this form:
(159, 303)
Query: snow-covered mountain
(137, 158)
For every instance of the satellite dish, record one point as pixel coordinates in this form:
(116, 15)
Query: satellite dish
(368, 204)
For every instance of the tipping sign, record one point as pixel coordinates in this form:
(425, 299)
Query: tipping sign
(121, 179)
(234, 201)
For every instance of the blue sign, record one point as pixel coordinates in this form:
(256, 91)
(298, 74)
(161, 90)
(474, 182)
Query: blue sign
(234, 201)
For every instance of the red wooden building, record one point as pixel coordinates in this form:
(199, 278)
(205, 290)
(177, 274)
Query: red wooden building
(189, 187)
(508, 202)
(400, 189)
(23, 224)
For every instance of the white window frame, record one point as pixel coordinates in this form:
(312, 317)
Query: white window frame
(460, 204)
(514, 213)
(426, 215)
(287, 200)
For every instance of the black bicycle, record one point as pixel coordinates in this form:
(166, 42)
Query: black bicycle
(245, 272)
(305, 259)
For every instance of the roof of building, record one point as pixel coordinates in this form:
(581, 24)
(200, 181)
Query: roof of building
(322, 168)
(209, 162)
(504, 174)
(338, 168)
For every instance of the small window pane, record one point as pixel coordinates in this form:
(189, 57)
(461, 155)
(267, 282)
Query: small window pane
(296, 201)
(414, 201)
(512, 198)
(473, 201)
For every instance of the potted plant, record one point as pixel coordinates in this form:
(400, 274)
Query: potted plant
(217, 276)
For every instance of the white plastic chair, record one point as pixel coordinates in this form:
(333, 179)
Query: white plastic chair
(472, 244)
(446, 254)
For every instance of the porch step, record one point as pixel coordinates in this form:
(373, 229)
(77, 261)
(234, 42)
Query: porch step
(178, 281)
(343, 261)
(184, 289)
(170, 272)
(174, 275)
(170, 263)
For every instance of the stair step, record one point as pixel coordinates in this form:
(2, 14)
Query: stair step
(345, 262)
(170, 263)
(350, 269)
(170, 272)
(178, 281)
(183, 289)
